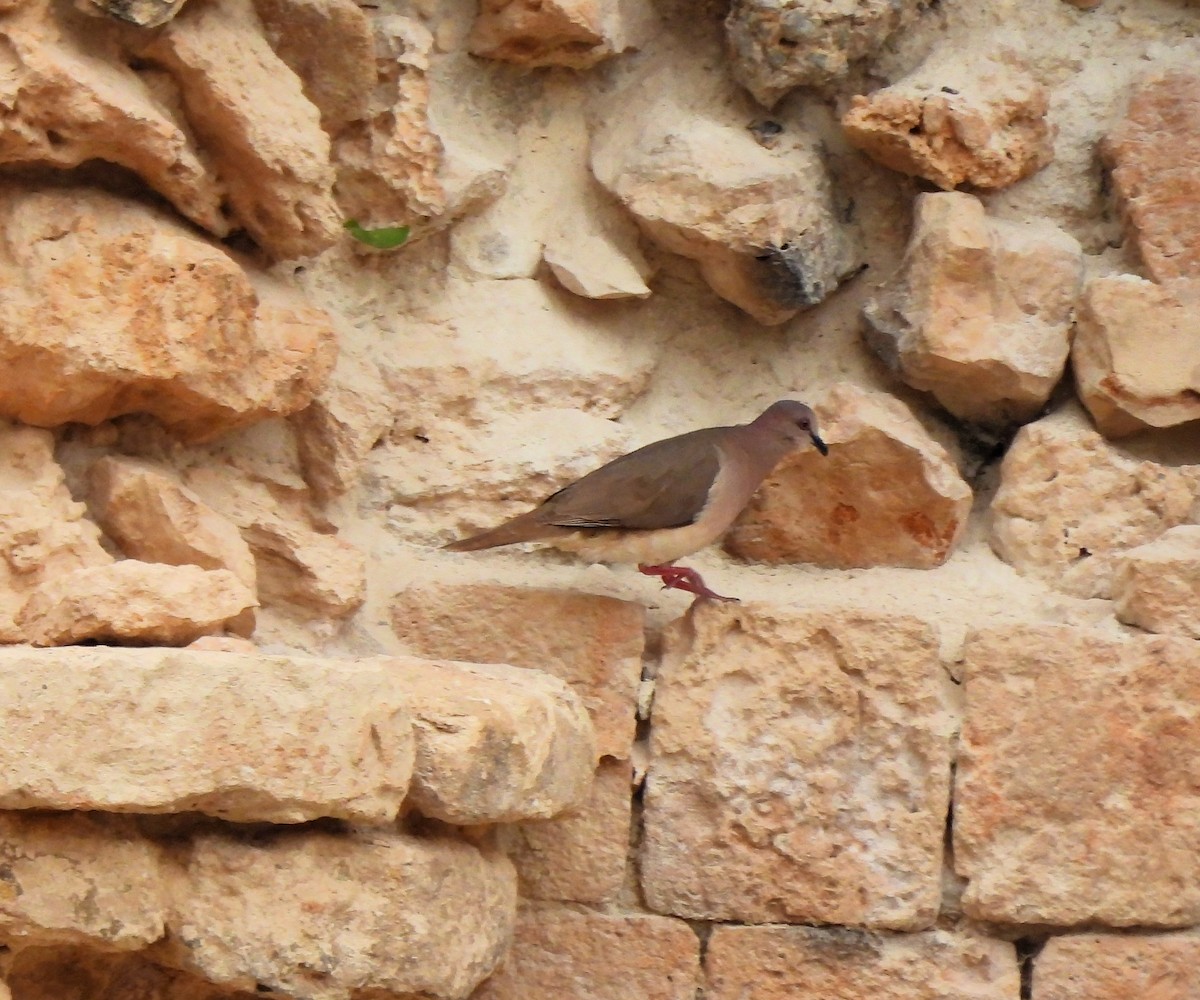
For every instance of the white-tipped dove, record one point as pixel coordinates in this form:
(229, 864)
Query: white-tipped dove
(664, 501)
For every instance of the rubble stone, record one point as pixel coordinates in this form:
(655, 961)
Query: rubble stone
(800, 769)
(1156, 586)
(574, 33)
(887, 494)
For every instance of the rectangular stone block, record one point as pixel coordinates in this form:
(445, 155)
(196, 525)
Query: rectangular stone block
(567, 954)
(1077, 797)
(800, 769)
(808, 963)
(244, 737)
(593, 643)
(1118, 967)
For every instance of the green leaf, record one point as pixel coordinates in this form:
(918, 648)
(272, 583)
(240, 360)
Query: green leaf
(387, 238)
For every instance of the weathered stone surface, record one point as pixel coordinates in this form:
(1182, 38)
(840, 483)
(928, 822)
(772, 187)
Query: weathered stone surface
(84, 974)
(328, 916)
(1069, 502)
(1078, 753)
(1154, 154)
(593, 643)
(74, 99)
(389, 162)
(800, 769)
(136, 602)
(145, 510)
(494, 743)
(112, 307)
(807, 963)
(776, 45)
(246, 738)
(887, 494)
(973, 122)
(43, 532)
(597, 261)
(1115, 967)
(1136, 354)
(1156, 586)
(328, 44)
(580, 854)
(979, 313)
(73, 878)
(760, 223)
(272, 154)
(143, 13)
(575, 33)
(577, 955)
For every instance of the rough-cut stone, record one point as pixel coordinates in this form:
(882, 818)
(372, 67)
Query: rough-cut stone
(577, 955)
(760, 223)
(1136, 354)
(1116, 967)
(143, 13)
(971, 122)
(579, 855)
(136, 602)
(43, 532)
(979, 313)
(328, 44)
(78, 879)
(806, 963)
(272, 154)
(246, 738)
(1076, 796)
(776, 45)
(73, 99)
(597, 261)
(72, 973)
(1156, 586)
(389, 163)
(494, 743)
(1154, 154)
(328, 917)
(113, 307)
(1069, 502)
(800, 769)
(593, 643)
(887, 494)
(575, 33)
(145, 510)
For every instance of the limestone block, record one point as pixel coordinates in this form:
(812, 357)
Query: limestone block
(73, 99)
(259, 129)
(979, 313)
(776, 45)
(1154, 156)
(328, 44)
(887, 494)
(971, 121)
(1156, 586)
(246, 738)
(145, 510)
(74, 878)
(1136, 354)
(800, 769)
(43, 532)
(389, 162)
(760, 224)
(327, 916)
(112, 307)
(494, 743)
(808, 963)
(574, 33)
(1077, 777)
(1118, 967)
(571, 954)
(135, 602)
(72, 973)
(597, 261)
(143, 13)
(1069, 502)
(593, 643)
(580, 854)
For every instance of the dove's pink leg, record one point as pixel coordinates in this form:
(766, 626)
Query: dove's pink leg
(682, 578)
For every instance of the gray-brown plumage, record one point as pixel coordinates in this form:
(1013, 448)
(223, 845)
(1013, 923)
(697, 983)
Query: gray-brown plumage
(664, 501)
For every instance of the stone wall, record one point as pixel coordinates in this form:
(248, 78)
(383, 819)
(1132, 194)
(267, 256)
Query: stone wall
(260, 735)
